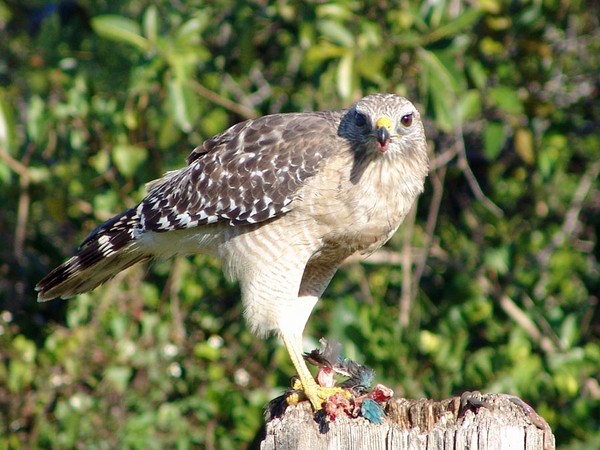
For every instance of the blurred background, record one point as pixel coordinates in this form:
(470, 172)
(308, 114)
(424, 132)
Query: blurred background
(492, 284)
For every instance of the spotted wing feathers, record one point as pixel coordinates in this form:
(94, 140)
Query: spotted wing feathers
(248, 174)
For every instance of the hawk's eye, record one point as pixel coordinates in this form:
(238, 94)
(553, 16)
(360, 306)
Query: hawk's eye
(407, 120)
(360, 119)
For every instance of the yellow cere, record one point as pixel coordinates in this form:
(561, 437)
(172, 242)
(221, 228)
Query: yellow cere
(384, 122)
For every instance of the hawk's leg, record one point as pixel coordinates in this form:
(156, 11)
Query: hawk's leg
(316, 394)
(315, 279)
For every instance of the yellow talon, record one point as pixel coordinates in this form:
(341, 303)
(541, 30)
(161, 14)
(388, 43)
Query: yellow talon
(315, 393)
(293, 398)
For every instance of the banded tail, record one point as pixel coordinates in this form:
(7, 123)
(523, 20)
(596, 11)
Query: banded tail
(108, 250)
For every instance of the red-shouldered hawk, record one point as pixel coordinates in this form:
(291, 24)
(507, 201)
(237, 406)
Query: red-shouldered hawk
(282, 200)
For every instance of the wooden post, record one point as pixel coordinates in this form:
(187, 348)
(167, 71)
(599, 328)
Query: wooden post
(473, 421)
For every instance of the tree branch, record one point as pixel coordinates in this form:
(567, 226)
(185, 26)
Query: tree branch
(240, 110)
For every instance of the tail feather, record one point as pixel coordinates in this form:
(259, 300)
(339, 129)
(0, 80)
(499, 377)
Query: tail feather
(108, 250)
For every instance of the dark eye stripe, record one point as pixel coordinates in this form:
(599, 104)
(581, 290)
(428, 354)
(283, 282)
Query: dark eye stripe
(360, 119)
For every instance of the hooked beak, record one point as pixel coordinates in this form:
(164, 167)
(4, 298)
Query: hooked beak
(383, 135)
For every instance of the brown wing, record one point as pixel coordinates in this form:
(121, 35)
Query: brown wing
(248, 174)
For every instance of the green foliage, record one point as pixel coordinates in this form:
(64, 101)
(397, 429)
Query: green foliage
(501, 291)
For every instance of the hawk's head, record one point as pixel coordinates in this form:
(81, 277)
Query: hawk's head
(384, 124)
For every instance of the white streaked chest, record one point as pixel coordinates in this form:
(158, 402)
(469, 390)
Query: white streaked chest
(361, 209)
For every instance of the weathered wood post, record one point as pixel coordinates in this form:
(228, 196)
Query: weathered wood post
(473, 421)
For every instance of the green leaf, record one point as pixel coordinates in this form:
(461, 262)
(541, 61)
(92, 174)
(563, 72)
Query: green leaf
(183, 103)
(506, 99)
(150, 23)
(206, 351)
(470, 105)
(120, 29)
(569, 331)
(456, 26)
(128, 158)
(192, 29)
(38, 174)
(168, 416)
(497, 260)
(214, 121)
(335, 11)
(324, 50)
(477, 74)
(493, 139)
(168, 133)
(442, 87)
(36, 119)
(21, 371)
(119, 377)
(345, 75)
(7, 125)
(7, 134)
(104, 203)
(336, 33)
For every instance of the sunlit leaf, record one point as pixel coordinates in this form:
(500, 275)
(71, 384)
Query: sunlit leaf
(324, 51)
(128, 158)
(497, 260)
(457, 25)
(569, 331)
(345, 75)
(443, 89)
(7, 125)
(182, 101)
(336, 32)
(192, 29)
(150, 23)
(120, 29)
